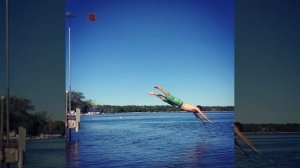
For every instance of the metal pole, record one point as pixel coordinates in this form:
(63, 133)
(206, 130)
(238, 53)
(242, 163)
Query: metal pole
(7, 70)
(70, 71)
(69, 48)
(69, 15)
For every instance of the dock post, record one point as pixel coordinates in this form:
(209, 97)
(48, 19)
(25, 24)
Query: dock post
(77, 116)
(21, 146)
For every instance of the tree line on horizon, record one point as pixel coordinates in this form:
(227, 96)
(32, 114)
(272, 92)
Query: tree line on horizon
(289, 127)
(22, 113)
(87, 105)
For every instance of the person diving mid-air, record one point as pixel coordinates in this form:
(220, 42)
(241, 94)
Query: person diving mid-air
(174, 101)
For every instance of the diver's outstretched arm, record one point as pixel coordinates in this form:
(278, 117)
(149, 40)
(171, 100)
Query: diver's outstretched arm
(245, 139)
(202, 114)
(240, 148)
(196, 115)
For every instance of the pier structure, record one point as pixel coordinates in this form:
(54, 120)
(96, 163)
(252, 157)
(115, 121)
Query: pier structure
(12, 147)
(72, 122)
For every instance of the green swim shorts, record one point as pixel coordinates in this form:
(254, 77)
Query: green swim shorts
(172, 100)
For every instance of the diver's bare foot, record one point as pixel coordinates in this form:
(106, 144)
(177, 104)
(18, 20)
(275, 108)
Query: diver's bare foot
(157, 87)
(152, 93)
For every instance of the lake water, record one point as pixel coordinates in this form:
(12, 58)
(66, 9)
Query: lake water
(47, 153)
(171, 139)
(161, 140)
(277, 150)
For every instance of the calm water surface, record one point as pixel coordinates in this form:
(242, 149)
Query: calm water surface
(161, 140)
(153, 140)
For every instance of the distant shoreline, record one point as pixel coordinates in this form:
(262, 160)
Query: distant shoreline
(147, 108)
(269, 128)
(99, 113)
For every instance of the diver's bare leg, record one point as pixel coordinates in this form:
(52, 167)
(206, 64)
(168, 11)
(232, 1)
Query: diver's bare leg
(156, 94)
(161, 89)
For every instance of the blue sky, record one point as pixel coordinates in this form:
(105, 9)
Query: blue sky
(185, 46)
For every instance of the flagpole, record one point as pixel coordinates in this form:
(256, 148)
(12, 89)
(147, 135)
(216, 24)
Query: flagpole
(7, 70)
(91, 18)
(69, 62)
(68, 107)
(69, 15)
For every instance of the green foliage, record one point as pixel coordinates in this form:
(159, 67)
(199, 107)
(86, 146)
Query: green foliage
(156, 108)
(19, 112)
(134, 108)
(78, 101)
(22, 114)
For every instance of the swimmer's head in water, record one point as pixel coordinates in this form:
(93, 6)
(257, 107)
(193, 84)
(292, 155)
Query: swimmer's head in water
(200, 107)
